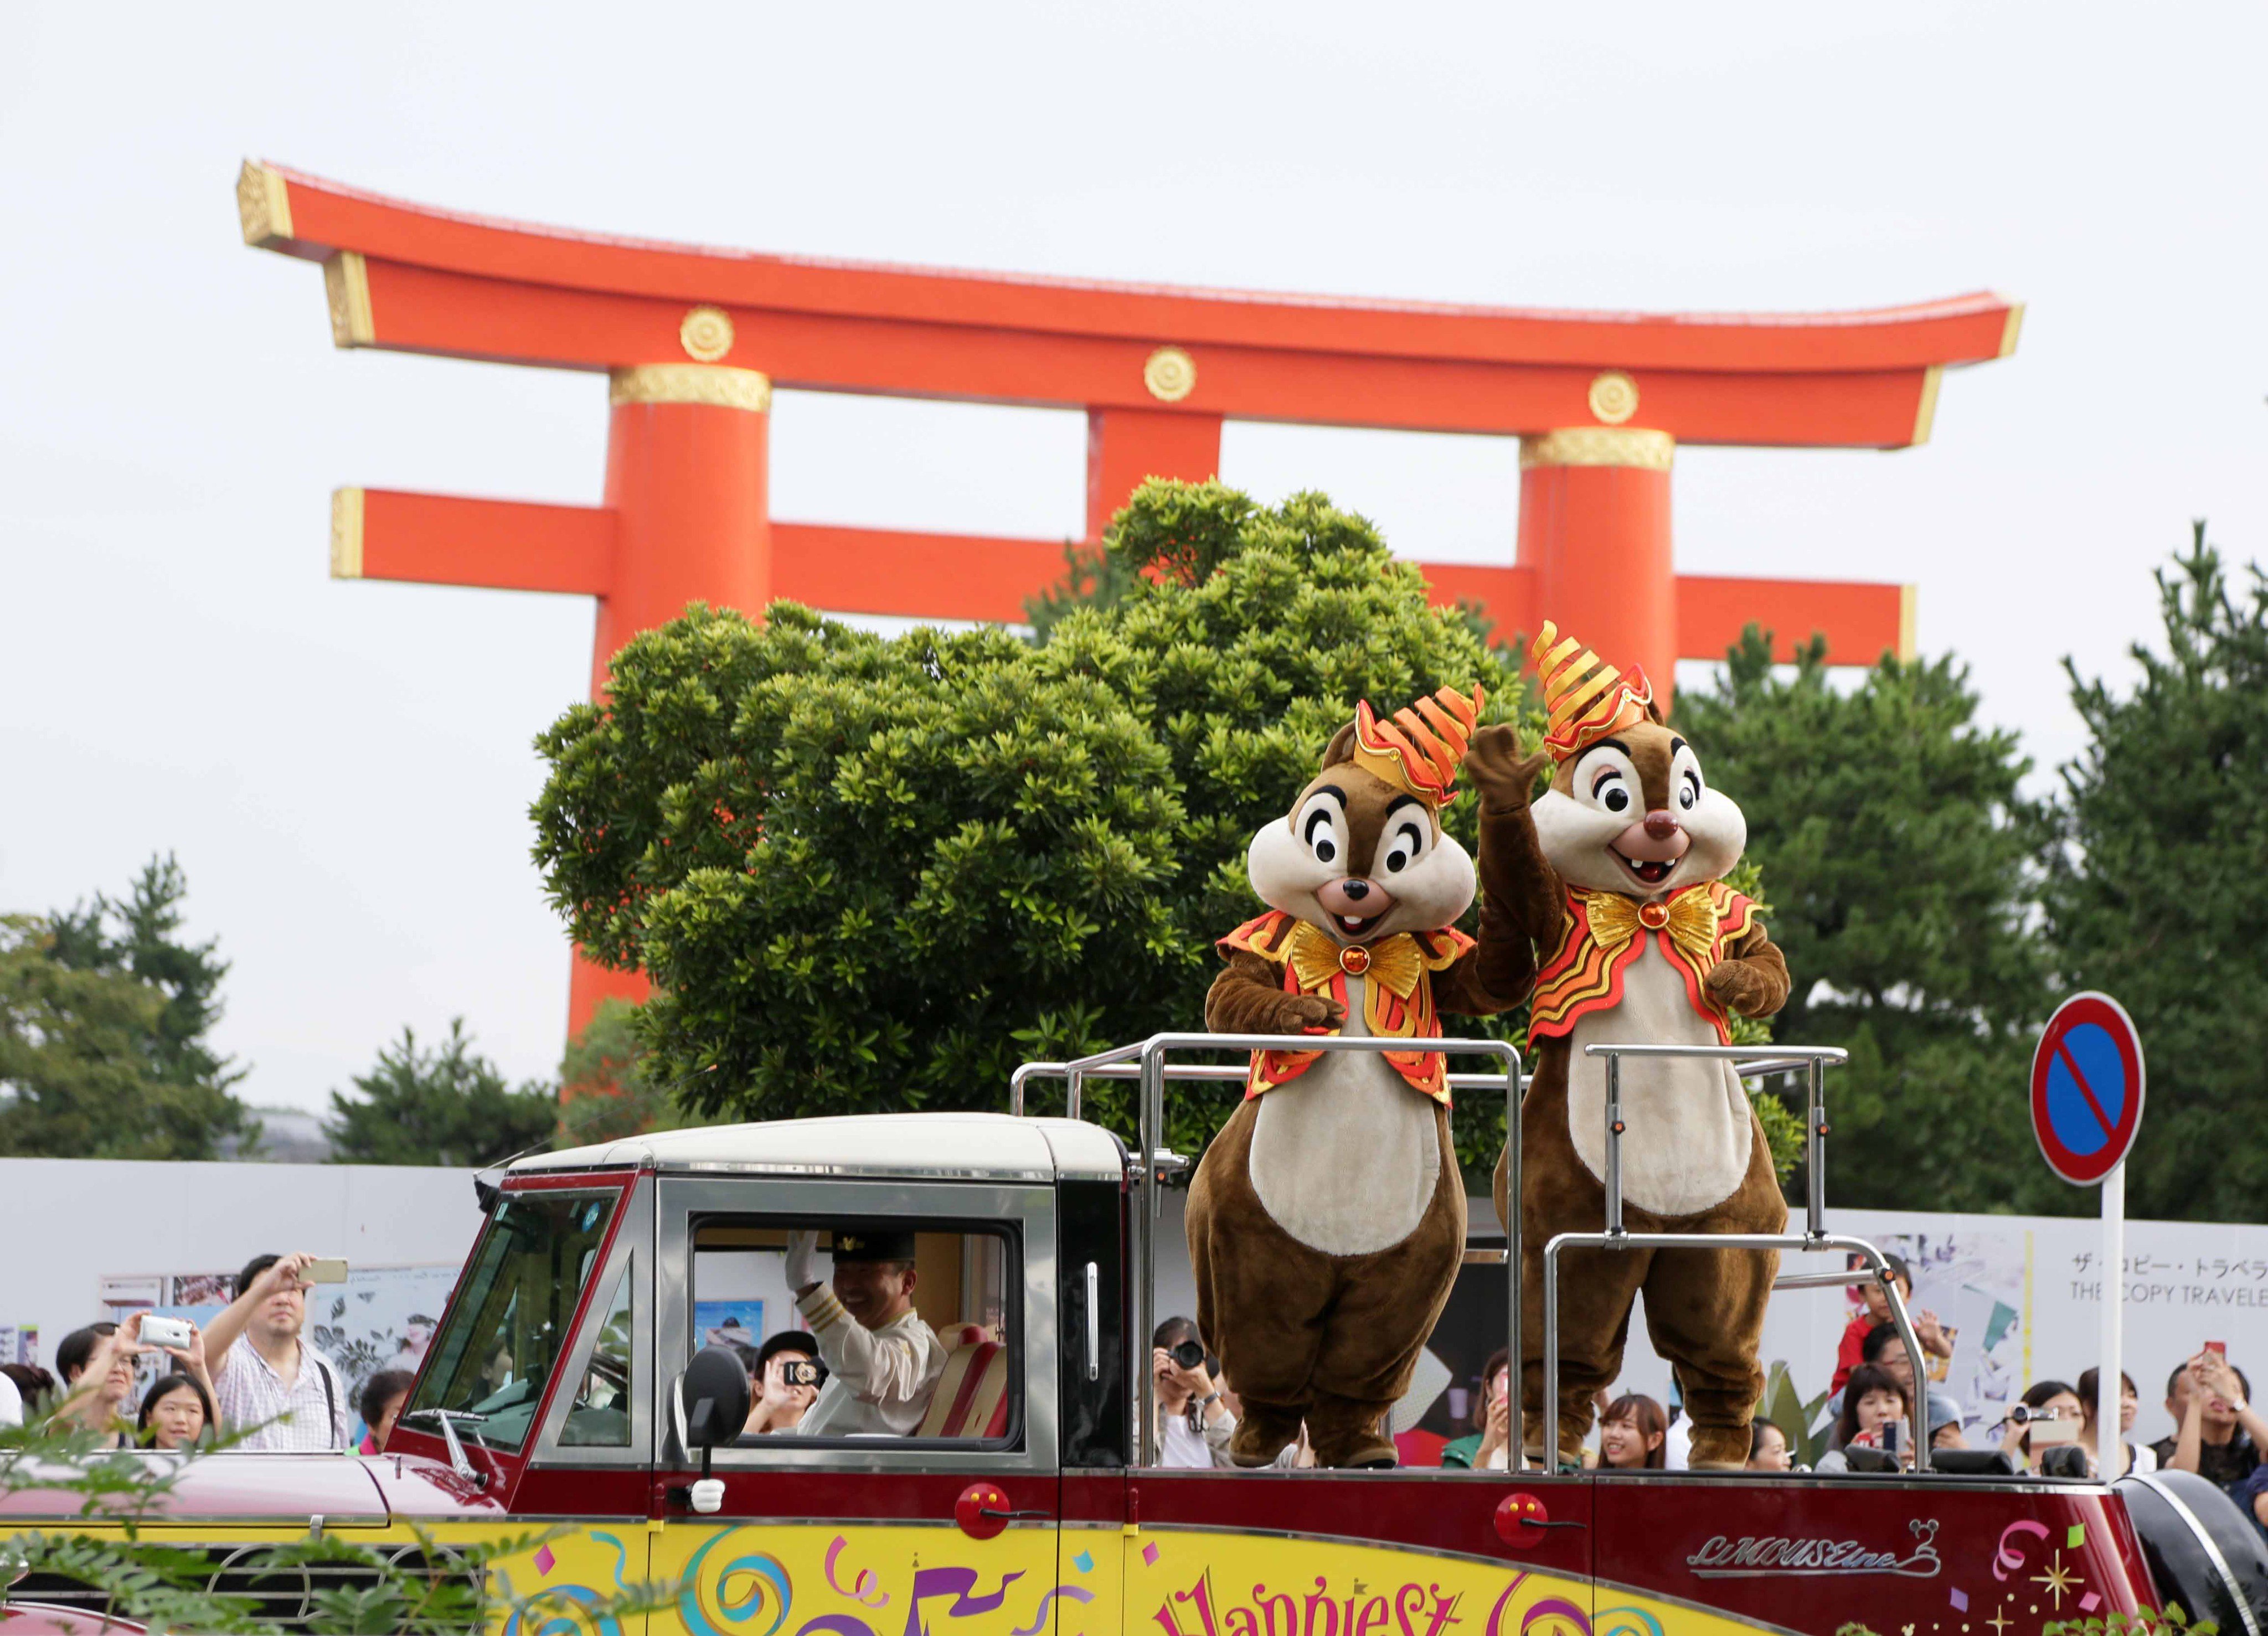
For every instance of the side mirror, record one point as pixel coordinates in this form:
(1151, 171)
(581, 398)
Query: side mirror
(711, 1402)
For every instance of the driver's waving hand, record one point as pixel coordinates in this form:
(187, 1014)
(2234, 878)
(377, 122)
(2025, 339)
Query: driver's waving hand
(883, 1361)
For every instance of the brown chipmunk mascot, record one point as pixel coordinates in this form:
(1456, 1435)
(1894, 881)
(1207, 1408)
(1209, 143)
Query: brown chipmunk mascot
(1643, 944)
(1326, 1219)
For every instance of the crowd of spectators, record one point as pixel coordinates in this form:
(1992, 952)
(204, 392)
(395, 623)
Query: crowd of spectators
(248, 1380)
(251, 1380)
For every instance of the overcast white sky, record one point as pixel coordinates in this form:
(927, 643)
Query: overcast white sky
(344, 769)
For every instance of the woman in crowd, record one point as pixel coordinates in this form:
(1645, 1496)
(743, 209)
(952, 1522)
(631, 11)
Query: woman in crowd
(34, 1384)
(1873, 1402)
(1768, 1447)
(2130, 1457)
(177, 1412)
(1631, 1434)
(2051, 1401)
(380, 1406)
(1487, 1449)
(97, 1366)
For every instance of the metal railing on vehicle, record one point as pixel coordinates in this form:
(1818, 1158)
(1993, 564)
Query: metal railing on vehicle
(1144, 1061)
(1810, 1061)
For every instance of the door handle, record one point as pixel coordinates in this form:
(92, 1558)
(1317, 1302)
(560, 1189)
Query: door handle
(983, 1512)
(1521, 1518)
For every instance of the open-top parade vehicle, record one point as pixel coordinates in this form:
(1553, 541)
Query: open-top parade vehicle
(567, 1390)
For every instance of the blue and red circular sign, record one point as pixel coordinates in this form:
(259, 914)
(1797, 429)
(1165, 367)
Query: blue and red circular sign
(2087, 1088)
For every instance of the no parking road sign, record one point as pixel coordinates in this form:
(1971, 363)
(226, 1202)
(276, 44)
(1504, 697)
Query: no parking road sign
(2087, 1088)
(2087, 1106)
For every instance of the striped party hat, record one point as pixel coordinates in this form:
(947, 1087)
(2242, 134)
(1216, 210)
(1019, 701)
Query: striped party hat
(1419, 747)
(1585, 697)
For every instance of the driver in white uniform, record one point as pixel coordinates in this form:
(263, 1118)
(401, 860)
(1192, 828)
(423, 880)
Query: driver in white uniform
(883, 1361)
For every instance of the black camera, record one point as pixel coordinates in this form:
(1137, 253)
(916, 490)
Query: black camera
(804, 1372)
(1186, 1354)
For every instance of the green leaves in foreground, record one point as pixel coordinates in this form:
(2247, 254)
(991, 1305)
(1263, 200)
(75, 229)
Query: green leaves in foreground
(430, 1587)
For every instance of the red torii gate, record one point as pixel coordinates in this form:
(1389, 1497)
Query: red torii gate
(693, 339)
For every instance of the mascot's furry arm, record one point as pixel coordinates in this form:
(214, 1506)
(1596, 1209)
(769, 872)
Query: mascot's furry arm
(1248, 998)
(1521, 893)
(1752, 979)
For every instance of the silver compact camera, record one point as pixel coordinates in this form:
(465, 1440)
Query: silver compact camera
(156, 1332)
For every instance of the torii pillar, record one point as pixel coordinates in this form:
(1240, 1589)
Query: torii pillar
(691, 341)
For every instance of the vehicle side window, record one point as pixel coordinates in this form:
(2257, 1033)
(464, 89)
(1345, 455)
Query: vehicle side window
(899, 1328)
(600, 1416)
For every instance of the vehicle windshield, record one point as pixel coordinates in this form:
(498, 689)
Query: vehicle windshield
(509, 1326)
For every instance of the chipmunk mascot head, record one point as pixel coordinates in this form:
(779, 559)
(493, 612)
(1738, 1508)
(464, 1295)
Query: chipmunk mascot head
(1326, 1219)
(1642, 943)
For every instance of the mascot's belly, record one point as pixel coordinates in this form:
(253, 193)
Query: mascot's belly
(1685, 1145)
(1345, 1156)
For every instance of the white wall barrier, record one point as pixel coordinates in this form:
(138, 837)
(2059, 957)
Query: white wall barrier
(83, 1238)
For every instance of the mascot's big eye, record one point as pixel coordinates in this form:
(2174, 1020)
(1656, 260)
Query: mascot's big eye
(1609, 791)
(1689, 790)
(1319, 835)
(1404, 848)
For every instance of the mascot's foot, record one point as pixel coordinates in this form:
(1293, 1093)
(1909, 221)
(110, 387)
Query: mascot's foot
(1348, 1436)
(1264, 1432)
(1574, 1426)
(1718, 1449)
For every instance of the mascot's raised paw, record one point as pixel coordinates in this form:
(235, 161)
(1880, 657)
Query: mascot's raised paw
(1504, 776)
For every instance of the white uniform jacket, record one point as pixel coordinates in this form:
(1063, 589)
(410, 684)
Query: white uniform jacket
(879, 1380)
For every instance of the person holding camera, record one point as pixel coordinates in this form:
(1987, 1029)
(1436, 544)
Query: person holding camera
(269, 1385)
(883, 1362)
(1194, 1423)
(96, 1367)
(785, 1375)
(2218, 1433)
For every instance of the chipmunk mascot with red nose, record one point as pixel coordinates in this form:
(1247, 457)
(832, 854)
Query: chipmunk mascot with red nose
(1643, 943)
(1326, 1219)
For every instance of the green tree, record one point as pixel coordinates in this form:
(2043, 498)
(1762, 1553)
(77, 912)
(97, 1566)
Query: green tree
(605, 1091)
(1904, 867)
(103, 1014)
(445, 1106)
(147, 945)
(2159, 897)
(872, 874)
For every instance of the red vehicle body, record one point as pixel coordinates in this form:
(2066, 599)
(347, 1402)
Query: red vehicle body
(552, 1396)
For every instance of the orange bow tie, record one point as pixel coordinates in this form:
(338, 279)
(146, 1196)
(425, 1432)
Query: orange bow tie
(1688, 915)
(1394, 962)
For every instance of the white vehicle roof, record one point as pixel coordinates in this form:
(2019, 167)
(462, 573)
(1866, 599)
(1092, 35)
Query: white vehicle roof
(983, 1147)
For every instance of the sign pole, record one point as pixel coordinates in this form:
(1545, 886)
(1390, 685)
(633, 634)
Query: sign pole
(2109, 1381)
(2087, 1082)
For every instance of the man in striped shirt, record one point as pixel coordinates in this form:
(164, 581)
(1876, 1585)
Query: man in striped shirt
(883, 1361)
(270, 1386)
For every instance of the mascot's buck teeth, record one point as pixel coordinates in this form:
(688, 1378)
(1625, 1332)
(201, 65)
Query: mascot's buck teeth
(1335, 1188)
(1618, 884)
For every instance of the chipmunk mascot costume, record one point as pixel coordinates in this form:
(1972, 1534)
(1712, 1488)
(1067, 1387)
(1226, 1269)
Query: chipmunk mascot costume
(1617, 881)
(1326, 1219)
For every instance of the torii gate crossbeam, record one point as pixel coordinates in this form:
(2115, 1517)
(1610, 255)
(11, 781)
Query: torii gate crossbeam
(693, 339)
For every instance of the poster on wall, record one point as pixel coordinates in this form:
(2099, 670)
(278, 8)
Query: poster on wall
(737, 1323)
(20, 1343)
(380, 1318)
(2020, 1297)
